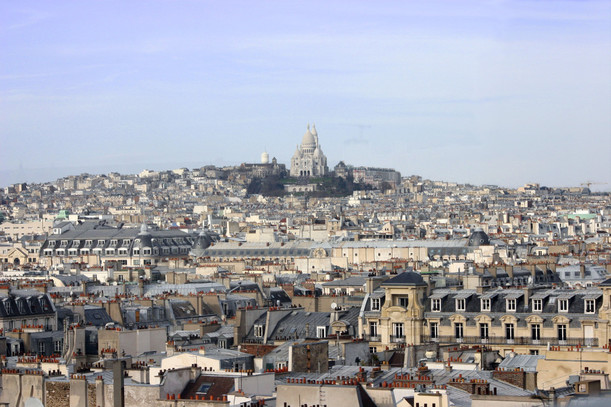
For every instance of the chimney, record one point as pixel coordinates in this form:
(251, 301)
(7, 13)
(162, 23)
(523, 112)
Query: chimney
(527, 293)
(552, 396)
(582, 270)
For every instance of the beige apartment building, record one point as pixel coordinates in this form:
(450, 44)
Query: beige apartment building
(526, 320)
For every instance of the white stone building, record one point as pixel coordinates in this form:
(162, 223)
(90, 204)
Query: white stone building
(309, 160)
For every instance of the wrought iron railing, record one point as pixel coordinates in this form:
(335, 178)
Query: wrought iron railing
(515, 341)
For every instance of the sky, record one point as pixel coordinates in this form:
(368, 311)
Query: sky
(480, 92)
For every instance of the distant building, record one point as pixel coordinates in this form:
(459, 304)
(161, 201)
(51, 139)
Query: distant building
(103, 244)
(309, 160)
(376, 176)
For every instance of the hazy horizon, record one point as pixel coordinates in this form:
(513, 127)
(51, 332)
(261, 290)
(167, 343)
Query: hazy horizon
(479, 92)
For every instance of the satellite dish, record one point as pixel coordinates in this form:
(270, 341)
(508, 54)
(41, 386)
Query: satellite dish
(333, 306)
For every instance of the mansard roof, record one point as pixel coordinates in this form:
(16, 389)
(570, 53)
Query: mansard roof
(409, 278)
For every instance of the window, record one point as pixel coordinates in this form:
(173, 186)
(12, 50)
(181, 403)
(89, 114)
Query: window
(485, 304)
(41, 347)
(7, 307)
(458, 330)
(436, 304)
(397, 329)
(483, 330)
(509, 331)
(434, 330)
(372, 349)
(321, 331)
(375, 304)
(511, 304)
(58, 346)
(460, 304)
(590, 306)
(114, 242)
(562, 332)
(403, 301)
(373, 328)
(563, 305)
(259, 331)
(537, 305)
(535, 332)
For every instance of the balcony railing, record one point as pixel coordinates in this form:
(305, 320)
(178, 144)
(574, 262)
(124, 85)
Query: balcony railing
(372, 338)
(397, 339)
(515, 341)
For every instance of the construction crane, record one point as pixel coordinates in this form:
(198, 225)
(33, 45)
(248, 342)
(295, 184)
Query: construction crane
(588, 183)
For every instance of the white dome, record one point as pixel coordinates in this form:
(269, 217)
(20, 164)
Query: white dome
(308, 139)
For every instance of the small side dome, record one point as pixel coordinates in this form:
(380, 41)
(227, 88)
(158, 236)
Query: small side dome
(479, 238)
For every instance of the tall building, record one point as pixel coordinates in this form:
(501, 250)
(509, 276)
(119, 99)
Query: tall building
(309, 160)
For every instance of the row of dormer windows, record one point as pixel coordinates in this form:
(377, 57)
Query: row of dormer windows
(511, 305)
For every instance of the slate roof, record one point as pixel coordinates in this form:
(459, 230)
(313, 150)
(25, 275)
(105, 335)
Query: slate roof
(26, 304)
(406, 278)
(498, 304)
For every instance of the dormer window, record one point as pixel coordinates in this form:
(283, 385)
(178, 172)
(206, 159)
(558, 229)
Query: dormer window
(403, 301)
(100, 242)
(436, 304)
(114, 242)
(460, 304)
(590, 306)
(375, 304)
(321, 331)
(563, 305)
(537, 305)
(259, 331)
(485, 304)
(511, 305)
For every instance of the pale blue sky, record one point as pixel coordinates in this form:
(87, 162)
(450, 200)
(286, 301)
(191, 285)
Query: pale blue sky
(503, 92)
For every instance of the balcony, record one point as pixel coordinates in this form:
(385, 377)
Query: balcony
(372, 338)
(476, 340)
(397, 339)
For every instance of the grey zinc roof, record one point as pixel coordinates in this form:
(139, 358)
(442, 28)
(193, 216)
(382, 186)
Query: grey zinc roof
(350, 281)
(526, 362)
